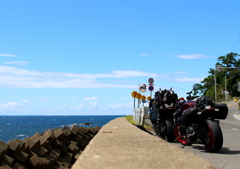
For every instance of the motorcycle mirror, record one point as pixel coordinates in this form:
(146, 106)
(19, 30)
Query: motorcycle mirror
(195, 86)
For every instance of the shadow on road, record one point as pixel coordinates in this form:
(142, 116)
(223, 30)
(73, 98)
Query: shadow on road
(224, 150)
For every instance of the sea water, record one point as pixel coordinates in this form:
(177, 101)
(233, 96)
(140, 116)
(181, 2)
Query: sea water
(12, 127)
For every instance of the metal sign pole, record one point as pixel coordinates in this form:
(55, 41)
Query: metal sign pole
(134, 103)
(138, 92)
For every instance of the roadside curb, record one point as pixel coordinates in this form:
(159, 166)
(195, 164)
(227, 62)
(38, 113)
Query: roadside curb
(119, 144)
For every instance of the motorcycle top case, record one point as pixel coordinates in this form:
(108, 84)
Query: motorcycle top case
(220, 111)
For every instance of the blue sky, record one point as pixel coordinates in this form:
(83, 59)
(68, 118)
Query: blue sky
(86, 57)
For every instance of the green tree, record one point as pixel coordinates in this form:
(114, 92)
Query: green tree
(228, 66)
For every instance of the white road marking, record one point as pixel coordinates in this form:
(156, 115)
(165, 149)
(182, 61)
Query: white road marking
(236, 116)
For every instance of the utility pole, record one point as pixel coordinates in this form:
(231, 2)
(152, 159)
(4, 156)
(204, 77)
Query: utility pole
(215, 85)
(225, 87)
(219, 68)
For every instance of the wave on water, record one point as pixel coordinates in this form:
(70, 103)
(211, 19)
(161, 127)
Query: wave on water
(78, 124)
(21, 136)
(69, 125)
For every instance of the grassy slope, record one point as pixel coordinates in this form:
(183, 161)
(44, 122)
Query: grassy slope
(130, 119)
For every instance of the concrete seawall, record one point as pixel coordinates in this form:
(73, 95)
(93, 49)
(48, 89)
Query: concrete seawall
(119, 144)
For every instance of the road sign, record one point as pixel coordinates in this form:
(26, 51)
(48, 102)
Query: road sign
(150, 88)
(138, 96)
(134, 94)
(149, 98)
(143, 97)
(142, 88)
(150, 80)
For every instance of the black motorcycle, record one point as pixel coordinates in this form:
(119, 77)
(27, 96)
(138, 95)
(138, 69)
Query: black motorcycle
(161, 110)
(202, 126)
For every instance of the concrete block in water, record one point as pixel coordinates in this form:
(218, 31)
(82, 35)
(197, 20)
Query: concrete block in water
(7, 160)
(4, 145)
(13, 145)
(41, 152)
(72, 148)
(48, 136)
(66, 132)
(77, 137)
(18, 166)
(81, 131)
(5, 167)
(34, 161)
(74, 129)
(21, 157)
(2, 151)
(22, 144)
(65, 141)
(58, 134)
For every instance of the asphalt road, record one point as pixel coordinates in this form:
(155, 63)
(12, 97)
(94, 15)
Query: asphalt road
(229, 156)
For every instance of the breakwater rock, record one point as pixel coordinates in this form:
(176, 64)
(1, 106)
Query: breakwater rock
(56, 148)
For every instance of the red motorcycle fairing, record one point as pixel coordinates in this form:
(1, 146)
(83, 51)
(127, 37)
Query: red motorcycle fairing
(187, 105)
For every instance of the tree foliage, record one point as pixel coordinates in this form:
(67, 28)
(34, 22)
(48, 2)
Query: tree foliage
(228, 67)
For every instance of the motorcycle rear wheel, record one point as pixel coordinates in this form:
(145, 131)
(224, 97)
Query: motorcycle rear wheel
(181, 138)
(215, 137)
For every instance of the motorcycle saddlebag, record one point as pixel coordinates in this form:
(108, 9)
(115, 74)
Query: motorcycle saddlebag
(220, 111)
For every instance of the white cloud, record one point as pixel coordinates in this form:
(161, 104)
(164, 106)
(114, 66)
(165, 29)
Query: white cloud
(8, 55)
(23, 100)
(93, 105)
(120, 106)
(23, 78)
(78, 107)
(44, 99)
(66, 107)
(18, 63)
(10, 105)
(63, 107)
(116, 106)
(131, 73)
(90, 98)
(74, 98)
(178, 72)
(188, 79)
(192, 56)
(144, 54)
